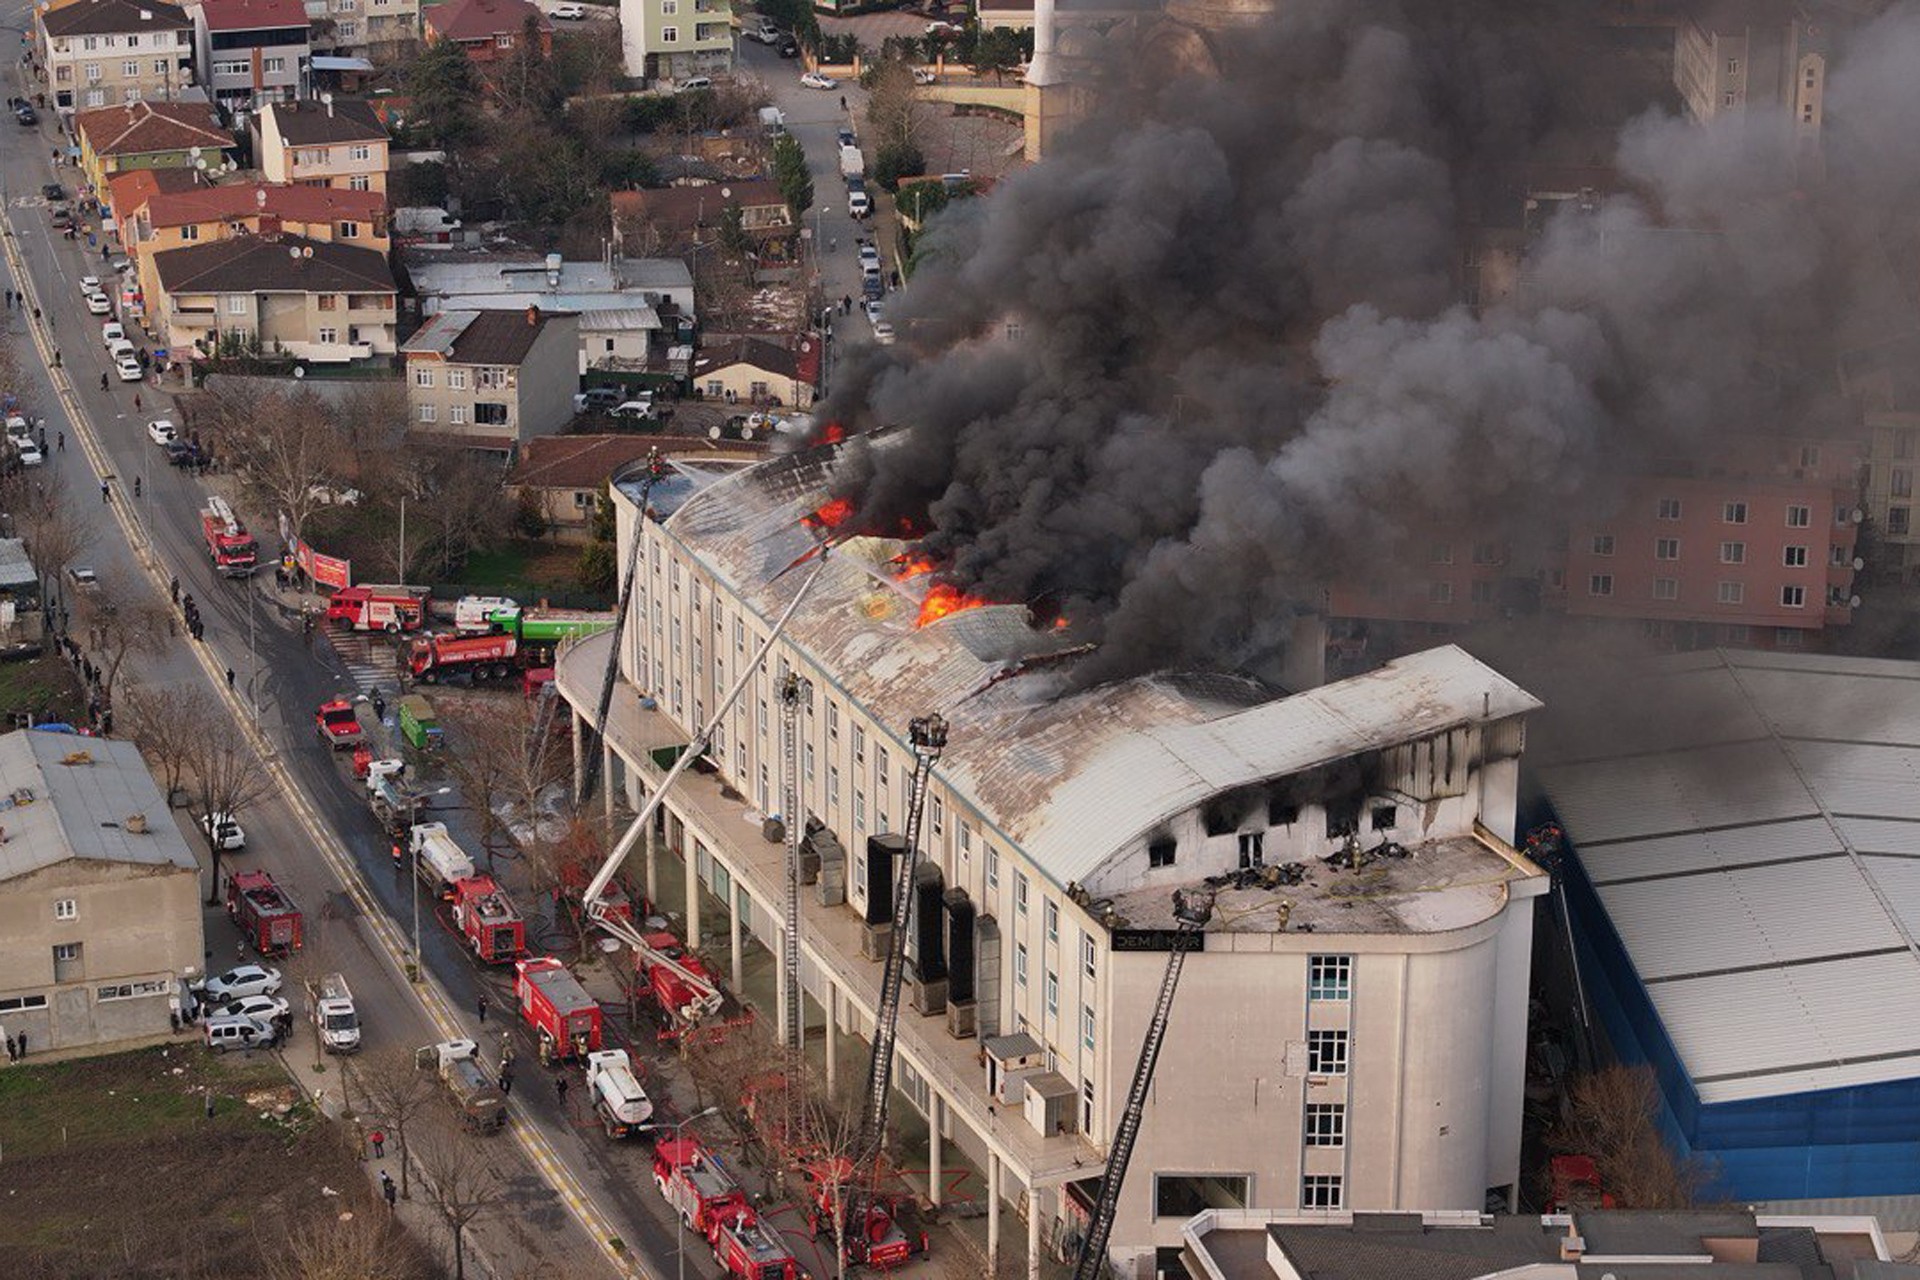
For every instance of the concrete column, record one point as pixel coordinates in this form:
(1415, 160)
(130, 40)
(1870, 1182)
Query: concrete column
(780, 979)
(935, 1175)
(734, 894)
(579, 754)
(691, 857)
(1033, 1233)
(993, 1213)
(833, 1031)
(651, 842)
(606, 780)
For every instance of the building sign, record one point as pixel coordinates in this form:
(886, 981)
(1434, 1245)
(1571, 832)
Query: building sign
(1158, 940)
(326, 571)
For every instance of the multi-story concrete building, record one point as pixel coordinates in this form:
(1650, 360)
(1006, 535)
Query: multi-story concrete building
(388, 25)
(330, 303)
(101, 53)
(334, 142)
(252, 52)
(1763, 59)
(492, 380)
(1346, 1035)
(100, 918)
(675, 39)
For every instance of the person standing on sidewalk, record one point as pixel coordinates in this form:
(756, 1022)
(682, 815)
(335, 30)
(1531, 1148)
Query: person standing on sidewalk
(482, 1006)
(379, 1140)
(387, 1189)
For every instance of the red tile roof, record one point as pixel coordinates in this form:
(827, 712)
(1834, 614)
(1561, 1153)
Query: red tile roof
(253, 15)
(245, 199)
(129, 190)
(683, 208)
(141, 128)
(483, 19)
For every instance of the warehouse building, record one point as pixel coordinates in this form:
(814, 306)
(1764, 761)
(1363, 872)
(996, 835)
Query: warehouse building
(1352, 1033)
(1745, 886)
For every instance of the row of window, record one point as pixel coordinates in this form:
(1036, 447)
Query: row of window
(1793, 557)
(1181, 1195)
(484, 414)
(703, 32)
(310, 156)
(485, 378)
(130, 69)
(159, 40)
(1792, 596)
(268, 66)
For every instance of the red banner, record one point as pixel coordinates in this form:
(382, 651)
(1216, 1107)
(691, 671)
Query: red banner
(326, 571)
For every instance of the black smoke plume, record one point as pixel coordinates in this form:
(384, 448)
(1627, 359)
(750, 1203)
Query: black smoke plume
(1210, 356)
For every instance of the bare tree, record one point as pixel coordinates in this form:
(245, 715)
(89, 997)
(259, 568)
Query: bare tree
(395, 1091)
(481, 765)
(55, 532)
(228, 777)
(123, 620)
(463, 510)
(363, 1244)
(1613, 1116)
(837, 1170)
(166, 722)
(894, 112)
(461, 1184)
(286, 447)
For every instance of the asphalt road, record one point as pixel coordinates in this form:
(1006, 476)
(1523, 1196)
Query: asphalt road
(283, 674)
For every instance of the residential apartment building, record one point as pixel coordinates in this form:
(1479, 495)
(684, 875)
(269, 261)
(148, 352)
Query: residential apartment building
(324, 302)
(492, 380)
(1385, 1066)
(332, 142)
(1893, 437)
(1766, 59)
(253, 52)
(759, 371)
(665, 218)
(153, 223)
(388, 25)
(100, 53)
(149, 135)
(671, 40)
(100, 916)
(489, 30)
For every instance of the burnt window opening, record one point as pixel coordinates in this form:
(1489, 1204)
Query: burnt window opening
(1282, 813)
(1160, 852)
(1343, 817)
(1252, 849)
(1384, 816)
(1217, 820)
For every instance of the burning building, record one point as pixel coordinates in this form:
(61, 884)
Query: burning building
(1351, 1033)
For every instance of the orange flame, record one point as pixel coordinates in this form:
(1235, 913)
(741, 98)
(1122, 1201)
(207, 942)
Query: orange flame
(943, 600)
(911, 566)
(831, 516)
(833, 434)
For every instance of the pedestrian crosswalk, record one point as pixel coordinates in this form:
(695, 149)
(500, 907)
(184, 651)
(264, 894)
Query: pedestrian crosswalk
(367, 662)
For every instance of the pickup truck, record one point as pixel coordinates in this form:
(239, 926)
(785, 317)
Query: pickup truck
(457, 1062)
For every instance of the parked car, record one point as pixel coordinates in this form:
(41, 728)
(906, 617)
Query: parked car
(89, 284)
(26, 449)
(765, 32)
(184, 453)
(99, 304)
(162, 432)
(223, 1034)
(869, 259)
(61, 216)
(872, 287)
(570, 12)
(873, 310)
(942, 29)
(924, 75)
(789, 47)
(846, 138)
(24, 114)
(634, 409)
(244, 980)
(814, 80)
(83, 577)
(694, 84)
(129, 369)
(858, 204)
(113, 334)
(53, 191)
(883, 333)
(598, 400)
(226, 834)
(262, 1009)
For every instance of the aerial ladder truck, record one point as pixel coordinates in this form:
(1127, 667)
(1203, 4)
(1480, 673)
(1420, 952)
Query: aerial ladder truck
(1191, 912)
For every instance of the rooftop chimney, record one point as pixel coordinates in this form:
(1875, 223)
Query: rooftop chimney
(146, 15)
(553, 271)
(533, 316)
(327, 99)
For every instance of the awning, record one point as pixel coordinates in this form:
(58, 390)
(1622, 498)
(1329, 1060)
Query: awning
(325, 63)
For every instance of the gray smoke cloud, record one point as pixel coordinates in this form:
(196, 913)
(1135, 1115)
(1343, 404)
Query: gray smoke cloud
(1209, 357)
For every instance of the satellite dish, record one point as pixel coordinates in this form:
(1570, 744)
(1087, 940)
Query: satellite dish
(726, 193)
(713, 433)
(293, 251)
(1853, 602)
(1858, 564)
(200, 163)
(299, 371)
(746, 433)
(1859, 515)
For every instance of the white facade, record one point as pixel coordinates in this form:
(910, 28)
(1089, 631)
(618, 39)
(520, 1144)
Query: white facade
(1068, 819)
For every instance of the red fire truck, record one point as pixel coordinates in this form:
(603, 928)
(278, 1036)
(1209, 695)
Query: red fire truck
(266, 916)
(232, 548)
(882, 1230)
(376, 607)
(749, 1249)
(431, 659)
(338, 724)
(488, 920)
(696, 1185)
(682, 986)
(555, 1004)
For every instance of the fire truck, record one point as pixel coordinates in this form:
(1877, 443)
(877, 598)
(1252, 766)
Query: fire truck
(680, 984)
(378, 607)
(882, 1230)
(266, 915)
(749, 1249)
(232, 548)
(338, 724)
(697, 1186)
(438, 858)
(556, 1006)
(432, 659)
(622, 1105)
(488, 920)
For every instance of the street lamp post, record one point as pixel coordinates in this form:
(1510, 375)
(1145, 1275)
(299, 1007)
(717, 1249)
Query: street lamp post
(416, 878)
(680, 1219)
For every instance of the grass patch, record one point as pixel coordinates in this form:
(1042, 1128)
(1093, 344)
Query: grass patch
(529, 572)
(111, 1166)
(45, 688)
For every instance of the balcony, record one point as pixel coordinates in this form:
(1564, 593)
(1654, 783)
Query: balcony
(830, 937)
(328, 352)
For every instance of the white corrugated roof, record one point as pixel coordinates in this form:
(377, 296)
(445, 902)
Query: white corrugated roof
(66, 796)
(1733, 849)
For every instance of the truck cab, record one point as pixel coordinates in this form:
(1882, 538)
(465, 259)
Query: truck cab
(338, 724)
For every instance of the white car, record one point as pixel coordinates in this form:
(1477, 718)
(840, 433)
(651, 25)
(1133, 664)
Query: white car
(634, 409)
(119, 349)
(99, 304)
(940, 28)
(111, 332)
(246, 980)
(883, 334)
(262, 1009)
(693, 84)
(89, 284)
(922, 75)
(874, 312)
(27, 451)
(814, 80)
(226, 834)
(858, 205)
(129, 369)
(569, 12)
(162, 432)
(869, 258)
